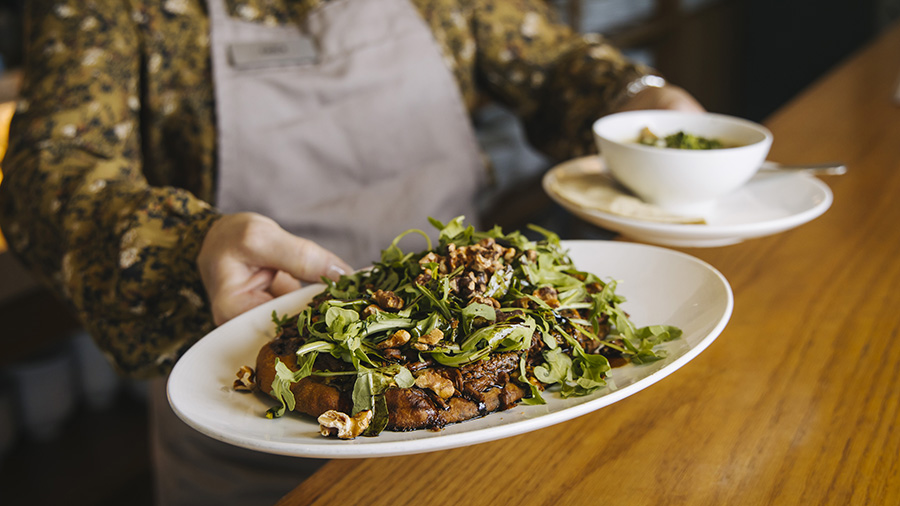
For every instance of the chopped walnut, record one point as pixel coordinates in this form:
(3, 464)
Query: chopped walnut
(246, 379)
(342, 425)
(432, 337)
(463, 284)
(431, 257)
(484, 256)
(396, 340)
(547, 294)
(388, 300)
(455, 257)
(482, 264)
(370, 310)
(594, 287)
(487, 301)
(487, 256)
(393, 354)
(469, 284)
(428, 379)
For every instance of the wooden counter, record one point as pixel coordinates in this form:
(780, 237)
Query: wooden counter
(797, 402)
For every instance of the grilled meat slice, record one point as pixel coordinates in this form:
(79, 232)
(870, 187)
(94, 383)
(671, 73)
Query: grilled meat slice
(481, 388)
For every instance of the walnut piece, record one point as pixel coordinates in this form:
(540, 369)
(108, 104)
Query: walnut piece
(432, 337)
(388, 300)
(342, 425)
(430, 257)
(246, 379)
(547, 294)
(370, 310)
(426, 342)
(428, 379)
(396, 340)
(487, 301)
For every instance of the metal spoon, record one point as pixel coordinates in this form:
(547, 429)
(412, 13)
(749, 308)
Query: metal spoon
(823, 169)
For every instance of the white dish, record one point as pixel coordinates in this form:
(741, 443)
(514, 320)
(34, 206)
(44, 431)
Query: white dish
(771, 202)
(681, 180)
(662, 286)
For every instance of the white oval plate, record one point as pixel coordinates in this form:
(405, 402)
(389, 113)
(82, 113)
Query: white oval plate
(768, 204)
(662, 287)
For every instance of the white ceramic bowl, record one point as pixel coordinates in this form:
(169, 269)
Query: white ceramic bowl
(683, 181)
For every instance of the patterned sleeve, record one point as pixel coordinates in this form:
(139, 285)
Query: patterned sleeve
(74, 204)
(556, 80)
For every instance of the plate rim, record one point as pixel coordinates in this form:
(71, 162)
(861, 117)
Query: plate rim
(374, 448)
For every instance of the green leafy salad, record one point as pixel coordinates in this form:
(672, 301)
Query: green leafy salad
(478, 303)
(679, 140)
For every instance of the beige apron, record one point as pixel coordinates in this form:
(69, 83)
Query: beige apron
(350, 149)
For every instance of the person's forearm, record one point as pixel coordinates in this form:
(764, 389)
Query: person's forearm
(556, 80)
(121, 254)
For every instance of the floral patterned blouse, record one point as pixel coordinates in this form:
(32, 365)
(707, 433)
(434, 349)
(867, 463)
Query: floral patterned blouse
(110, 175)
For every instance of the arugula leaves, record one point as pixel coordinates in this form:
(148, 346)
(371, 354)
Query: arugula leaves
(546, 331)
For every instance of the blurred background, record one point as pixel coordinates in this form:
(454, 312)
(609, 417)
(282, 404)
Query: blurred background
(71, 431)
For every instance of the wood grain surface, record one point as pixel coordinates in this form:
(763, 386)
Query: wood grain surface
(797, 402)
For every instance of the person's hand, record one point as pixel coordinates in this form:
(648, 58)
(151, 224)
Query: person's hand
(247, 259)
(667, 97)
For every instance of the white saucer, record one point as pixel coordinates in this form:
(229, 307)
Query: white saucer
(770, 203)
